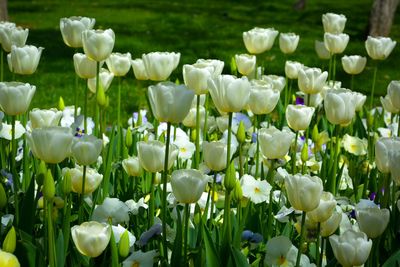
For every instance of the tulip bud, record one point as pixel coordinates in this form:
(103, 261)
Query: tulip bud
(49, 187)
(61, 104)
(193, 135)
(304, 153)
(315, 134)
(67, 183)
(241, 132)
(238, 192)
(230, 178)
(3, 197)
(128, 137)
(233, 66)
(123, 246)
(41, 173)
(10, 241)
(101, 96)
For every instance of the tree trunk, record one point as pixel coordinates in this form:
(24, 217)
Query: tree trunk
(381, 18)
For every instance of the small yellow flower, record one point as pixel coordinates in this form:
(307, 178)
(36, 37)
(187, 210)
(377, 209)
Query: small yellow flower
(355, 145)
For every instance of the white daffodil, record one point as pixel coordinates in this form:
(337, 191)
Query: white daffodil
(257, 191)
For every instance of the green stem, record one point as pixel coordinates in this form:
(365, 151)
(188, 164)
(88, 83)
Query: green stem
(164, 193)
(257, 145)
(197, 156)
(318, 252)
(286, 92)
(212, 199)
(240, 160)
(336, 155)
(205, 118)
(2, 66)
(185, 234)
(119, 127)
(330, 68)
(97, 116)
(13, 169)
(52, 247)
(371, 103)
(323, 244)
(352, 82)
(81, 209)
(85, 110)
(76, 90)
(303, 220)
(294, 153)
(334, 67)
(152, 202)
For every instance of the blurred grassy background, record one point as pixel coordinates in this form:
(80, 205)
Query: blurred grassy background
(196, 29)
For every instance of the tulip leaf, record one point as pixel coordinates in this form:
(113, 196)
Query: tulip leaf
(239, 259)
(176, 257)
(114, 251)
(60, 249)
(394, 260)
(212, 258)
(28, 208)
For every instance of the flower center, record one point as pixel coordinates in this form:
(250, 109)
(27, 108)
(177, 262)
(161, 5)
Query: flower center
(135, 264)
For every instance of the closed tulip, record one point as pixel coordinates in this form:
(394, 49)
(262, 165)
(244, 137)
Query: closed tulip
(215, 64)
(195, 77)
(8, 259)
(277, 82)
(388, 105)
(259, 40)
(229, 94)
(214, 155)
(159, 65)
(292, 69)
(86, 149)
(263, 99)
(51, 144)
(311, 80)
(119, 64)
(15, 97)
(353, 65)
(24, 60)
(106, 78)
(340, 106)
(334, 23)
(91, 238)
(394, 159)
(190, 119)
(72, 28)
(379, 48)
(393, 90)
(351, 248)
(85, 67)
(372, 220)
(288, 42)
(336, 43)
(274, 143)
(188, 185)
(330, 226)
(98, 44)
(152, 155)
(44, 117)
(139, 70)
(299, 117)
(170, 102)
(383, 147)
(132, 166)
(92, 179)
(11, 35)
(321, 50)
(359, 100)
(246, 64)
(303, 191)
(325, 208)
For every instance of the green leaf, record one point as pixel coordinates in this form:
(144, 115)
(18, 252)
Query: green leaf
(212, 258)
(114, 251)
(393, 261)
(28, 209)
(239, 259)
(176, 257)
(60, 249)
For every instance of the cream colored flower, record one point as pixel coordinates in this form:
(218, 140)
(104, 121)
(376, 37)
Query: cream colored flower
(91, 238)
(355, 145)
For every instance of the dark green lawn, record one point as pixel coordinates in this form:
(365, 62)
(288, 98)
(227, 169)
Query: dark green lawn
(196, 29)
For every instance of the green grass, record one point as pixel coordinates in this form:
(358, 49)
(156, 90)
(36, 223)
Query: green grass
(196, 29)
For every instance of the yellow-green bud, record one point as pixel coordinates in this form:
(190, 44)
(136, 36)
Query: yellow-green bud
(304, 153)
(230, 178)
(58, 202)
(67, 183)
(233, 66)
(241, 132)
(315, 134)
(101, 96)
(193, 135)
(61, 104)
(128, 137)
(139, 119)
(3, 197)
(49, 188)
(41, 173)
(370, 119)
(10, 241)
(123, 246)
(238, 193)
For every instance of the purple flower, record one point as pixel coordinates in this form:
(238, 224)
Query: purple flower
(254, 138)
(247, 235)
(372, 196)
(156, 229)
(299, 100)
